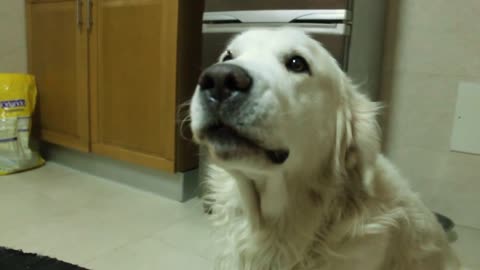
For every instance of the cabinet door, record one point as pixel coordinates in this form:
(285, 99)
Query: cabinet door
(133, 81)
(57, 46)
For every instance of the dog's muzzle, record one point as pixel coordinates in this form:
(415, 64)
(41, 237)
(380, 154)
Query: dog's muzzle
(224, 92)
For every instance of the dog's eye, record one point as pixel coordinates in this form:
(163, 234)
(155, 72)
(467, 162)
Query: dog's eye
(297, 64)
(227, 56)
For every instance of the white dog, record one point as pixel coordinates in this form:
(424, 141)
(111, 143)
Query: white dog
(297, 180)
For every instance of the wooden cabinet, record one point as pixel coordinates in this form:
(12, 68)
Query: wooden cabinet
(138, 62)
(135, 68)
(58, 58)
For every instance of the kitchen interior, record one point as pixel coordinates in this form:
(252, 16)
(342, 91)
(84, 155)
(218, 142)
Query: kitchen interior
(122, 181)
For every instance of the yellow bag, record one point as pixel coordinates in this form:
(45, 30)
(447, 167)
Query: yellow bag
(17, 102)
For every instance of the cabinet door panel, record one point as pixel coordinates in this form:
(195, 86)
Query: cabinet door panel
(133, 84)
(58, 59)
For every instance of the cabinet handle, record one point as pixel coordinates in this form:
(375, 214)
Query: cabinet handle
(89, 15)
(79, 14)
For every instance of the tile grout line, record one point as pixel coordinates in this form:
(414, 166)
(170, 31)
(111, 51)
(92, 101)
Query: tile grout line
(469, 227)
(137, 240)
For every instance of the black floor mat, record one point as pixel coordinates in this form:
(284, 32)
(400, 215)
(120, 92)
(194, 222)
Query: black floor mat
(18, 260)
(446, 222)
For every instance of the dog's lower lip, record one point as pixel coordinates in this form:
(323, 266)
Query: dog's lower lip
(221, 131)
(224, 134)
(277, 156)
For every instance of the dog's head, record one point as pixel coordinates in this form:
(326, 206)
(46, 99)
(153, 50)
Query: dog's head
(277, 99)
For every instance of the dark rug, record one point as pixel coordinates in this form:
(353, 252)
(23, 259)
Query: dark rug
(446, 222)
(11, 259)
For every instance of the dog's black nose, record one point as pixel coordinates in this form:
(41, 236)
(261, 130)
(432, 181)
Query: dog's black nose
(222, 81)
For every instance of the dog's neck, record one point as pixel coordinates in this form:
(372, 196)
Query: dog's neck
(263, 196)
(273, 195)
(290, 212)
(266, 197)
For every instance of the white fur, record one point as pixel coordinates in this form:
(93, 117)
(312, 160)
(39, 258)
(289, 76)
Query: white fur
(336, 203)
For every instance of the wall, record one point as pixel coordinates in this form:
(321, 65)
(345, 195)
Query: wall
(13, 51)
(431, 46)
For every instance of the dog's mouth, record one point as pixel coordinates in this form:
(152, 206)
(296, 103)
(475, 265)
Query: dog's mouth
(228, 143)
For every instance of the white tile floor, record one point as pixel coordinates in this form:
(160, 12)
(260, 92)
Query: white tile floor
(103, 225)
(100, 224)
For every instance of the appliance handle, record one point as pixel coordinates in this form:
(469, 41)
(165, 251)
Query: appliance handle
(312, 28)
(277, 16)
(219, 17)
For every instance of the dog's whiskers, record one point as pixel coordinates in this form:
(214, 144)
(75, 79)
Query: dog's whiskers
(183, 117)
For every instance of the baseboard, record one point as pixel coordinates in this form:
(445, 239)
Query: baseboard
(179, 186)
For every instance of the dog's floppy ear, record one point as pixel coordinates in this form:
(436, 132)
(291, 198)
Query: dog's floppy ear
(357, 132)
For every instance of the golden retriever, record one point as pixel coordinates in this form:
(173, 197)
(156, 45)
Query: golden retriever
(297, 180)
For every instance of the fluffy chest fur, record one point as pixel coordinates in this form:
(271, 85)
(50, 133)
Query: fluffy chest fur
(324, 231)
